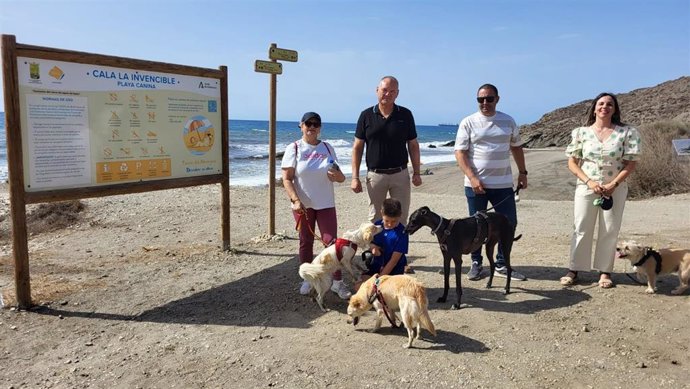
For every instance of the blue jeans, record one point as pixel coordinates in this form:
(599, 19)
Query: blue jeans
(479, 202)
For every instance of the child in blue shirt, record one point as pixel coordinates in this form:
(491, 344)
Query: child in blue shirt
(390, 245)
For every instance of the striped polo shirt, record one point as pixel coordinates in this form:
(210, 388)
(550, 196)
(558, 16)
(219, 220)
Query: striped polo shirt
(488, 139)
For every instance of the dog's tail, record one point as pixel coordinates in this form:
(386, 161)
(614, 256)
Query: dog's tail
(517, 237)
(311, 271)
(425, 320)
(423, 302)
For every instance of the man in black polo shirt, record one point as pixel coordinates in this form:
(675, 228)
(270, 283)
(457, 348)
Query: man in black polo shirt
(389, 133)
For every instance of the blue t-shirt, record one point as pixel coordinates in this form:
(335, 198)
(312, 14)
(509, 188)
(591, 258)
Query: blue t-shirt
(390, 241)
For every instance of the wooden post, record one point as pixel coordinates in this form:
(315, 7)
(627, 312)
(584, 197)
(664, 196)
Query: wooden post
(272, 155)
(20, 246)
(225, 184)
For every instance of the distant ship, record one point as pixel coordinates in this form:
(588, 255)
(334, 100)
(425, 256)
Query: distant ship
(448, 125)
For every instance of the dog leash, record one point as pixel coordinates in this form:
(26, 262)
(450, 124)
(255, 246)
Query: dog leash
(516, 192)
(378, 296)
(303, 214)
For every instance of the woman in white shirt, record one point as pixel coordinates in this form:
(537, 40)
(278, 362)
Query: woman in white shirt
(309, 170)
(602, 154)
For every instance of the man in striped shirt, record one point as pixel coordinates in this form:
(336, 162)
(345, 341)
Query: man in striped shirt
(483, 146)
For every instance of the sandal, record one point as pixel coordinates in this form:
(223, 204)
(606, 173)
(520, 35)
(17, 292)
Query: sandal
(606, 283)
(569, 279)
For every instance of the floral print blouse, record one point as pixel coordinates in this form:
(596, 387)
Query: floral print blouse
(602, 161)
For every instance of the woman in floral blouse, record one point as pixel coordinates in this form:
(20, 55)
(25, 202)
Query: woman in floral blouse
(601, 155)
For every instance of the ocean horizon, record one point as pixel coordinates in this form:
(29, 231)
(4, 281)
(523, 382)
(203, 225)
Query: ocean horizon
(248, 149)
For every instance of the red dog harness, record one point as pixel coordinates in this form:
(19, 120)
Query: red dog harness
(340, 243)
(377, 295)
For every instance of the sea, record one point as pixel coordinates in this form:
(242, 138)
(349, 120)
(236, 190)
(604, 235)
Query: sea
(249, 142)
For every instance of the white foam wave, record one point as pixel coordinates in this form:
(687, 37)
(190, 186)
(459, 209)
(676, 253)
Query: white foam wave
(425, 145)
(338, 142)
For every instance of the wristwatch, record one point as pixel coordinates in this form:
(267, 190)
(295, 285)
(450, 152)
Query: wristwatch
(523, 172)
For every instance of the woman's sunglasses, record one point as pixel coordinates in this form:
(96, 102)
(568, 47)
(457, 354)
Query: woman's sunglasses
(488, 99)
(312, 124)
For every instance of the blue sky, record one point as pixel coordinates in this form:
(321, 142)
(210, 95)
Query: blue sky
(541, 54)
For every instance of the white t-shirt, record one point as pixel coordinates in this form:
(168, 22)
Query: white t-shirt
(488, 139)
(311, 181)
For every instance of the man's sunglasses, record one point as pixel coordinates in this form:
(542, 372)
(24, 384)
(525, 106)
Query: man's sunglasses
(488, 99)
(312, 124)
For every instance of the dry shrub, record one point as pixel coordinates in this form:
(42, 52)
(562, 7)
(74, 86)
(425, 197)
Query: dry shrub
(53, 216)
(659, 170)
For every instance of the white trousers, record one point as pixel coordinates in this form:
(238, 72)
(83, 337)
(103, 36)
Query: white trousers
(586, 215)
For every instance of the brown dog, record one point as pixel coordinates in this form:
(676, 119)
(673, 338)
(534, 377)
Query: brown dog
(651, 263)
(400, 293)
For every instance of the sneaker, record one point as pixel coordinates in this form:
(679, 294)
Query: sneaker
(341, 289)
(503, 272)
(305, 288)
(475, 271)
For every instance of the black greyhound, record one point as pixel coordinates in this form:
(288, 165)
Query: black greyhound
(463, 236)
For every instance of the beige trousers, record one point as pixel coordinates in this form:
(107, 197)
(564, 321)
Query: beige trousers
(378, 187)
(586, 215)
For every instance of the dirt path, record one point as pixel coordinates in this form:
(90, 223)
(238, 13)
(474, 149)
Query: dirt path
(138, 295)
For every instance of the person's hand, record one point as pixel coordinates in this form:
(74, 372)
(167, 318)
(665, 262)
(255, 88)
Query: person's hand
(356, 185)
(376, 250)
(416, 179)
(331, 175)
(522, 181)
(477, 186)
(297, 206)
(608, 189)
(595, 187)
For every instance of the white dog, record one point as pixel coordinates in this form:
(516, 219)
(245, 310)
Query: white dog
(336, 256)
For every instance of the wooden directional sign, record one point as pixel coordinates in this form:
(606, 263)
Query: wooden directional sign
(268, 67)
(282, 54)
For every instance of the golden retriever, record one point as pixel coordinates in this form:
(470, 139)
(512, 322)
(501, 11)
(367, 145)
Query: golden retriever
(672, 261)
(319, 272)
(400, 293)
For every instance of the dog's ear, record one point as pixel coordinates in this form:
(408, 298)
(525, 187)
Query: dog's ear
(369, 232)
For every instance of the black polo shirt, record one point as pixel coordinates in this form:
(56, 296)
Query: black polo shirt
(386, 139)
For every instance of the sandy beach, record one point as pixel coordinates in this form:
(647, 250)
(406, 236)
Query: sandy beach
(138, 294)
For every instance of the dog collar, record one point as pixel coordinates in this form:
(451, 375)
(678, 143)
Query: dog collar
(440, 222)
(651, 253)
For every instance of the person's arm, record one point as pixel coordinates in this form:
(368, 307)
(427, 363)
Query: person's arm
(357, 151)
(628, 168)
(463, 159)
(574, 167)
(388, 268)
(519, 157)
(413, 150)
(376, 250)
(288, 177)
